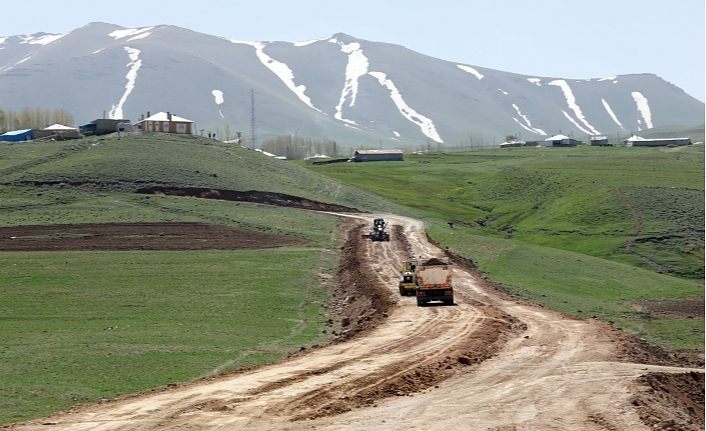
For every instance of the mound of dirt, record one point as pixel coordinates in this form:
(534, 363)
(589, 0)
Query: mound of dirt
(360, 301)
(137, 236)
(671, 402)
(399, 236)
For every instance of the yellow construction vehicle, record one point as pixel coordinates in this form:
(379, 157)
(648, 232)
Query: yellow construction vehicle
(427, 279)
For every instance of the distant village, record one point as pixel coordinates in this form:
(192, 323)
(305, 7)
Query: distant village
(163, 122)
(598, 141)
(166, 122)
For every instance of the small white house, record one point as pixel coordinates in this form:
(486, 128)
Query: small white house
(165, 122)
(60, 128)
(560, 141)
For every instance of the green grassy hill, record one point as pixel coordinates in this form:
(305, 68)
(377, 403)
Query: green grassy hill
(588, 231)
(78, 326)
(174, 160)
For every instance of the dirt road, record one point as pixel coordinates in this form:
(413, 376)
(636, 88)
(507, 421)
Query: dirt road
(487, 363)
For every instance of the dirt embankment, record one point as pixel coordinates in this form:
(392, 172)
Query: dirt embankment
(671, 402)
(360, 301)
(269, 198)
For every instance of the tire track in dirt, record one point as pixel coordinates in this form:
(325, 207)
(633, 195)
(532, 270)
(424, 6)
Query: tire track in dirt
(527, 368)
(413, 349)
(630, 245)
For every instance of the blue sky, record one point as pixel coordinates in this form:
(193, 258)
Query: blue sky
(553, 38)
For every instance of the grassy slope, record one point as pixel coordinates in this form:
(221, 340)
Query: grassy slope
(173, 160)
(176, 315)
(78, 326)
(81, 326)
(552, 224)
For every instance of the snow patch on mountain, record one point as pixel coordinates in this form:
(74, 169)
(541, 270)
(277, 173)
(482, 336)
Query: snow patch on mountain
(571, 101)
(283, 72)
(140, 36)
(116, 112)
(3, 39)
(356, 67)
(522, 125)
(119, 34)
(503, 91)
(568, 117)
(218, 98)
(424, 123)
(471, 70)
(41, 40)
(535, 81)
(8, 68)
(527, 122)
(643, 108)
(309, 42)
(608, 78)
(611, 113)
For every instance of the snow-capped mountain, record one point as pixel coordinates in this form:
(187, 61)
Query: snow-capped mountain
(355, 91)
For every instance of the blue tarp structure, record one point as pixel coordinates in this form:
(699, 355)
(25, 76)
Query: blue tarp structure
(17, 135)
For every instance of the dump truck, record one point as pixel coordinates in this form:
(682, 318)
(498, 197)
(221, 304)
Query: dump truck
(408, 284)
(433, 281)
(378, 233)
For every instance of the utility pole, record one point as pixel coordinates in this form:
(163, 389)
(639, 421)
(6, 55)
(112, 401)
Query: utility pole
(253, 141)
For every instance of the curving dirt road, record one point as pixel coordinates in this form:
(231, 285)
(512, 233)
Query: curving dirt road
(487, 363)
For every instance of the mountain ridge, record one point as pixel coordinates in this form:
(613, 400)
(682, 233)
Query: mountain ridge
(355, 91)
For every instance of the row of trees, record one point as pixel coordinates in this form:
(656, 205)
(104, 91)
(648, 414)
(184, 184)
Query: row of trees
(33, 118)
(297, 148)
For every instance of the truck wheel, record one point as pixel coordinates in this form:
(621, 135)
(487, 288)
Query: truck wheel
(448, 301)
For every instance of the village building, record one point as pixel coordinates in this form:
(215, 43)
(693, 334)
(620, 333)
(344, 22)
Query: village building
(599, 141)
(377, 155)
(560, 141)
(512, 144)
(59, 131)
(104, 126)
(17, 135)
(637, 141)
(165, 122)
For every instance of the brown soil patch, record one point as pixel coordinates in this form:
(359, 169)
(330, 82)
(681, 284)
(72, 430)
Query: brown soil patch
(671, 402)
(137, 236)
(689, 308)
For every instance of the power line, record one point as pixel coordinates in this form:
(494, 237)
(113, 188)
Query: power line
(253, 140)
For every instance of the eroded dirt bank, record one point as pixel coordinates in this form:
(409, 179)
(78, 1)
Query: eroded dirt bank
(269, 198)
(487, 363)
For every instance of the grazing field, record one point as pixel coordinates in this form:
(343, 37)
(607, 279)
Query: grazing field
(78, 326)
(104, 323)
(82, 326)
(588, 231)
